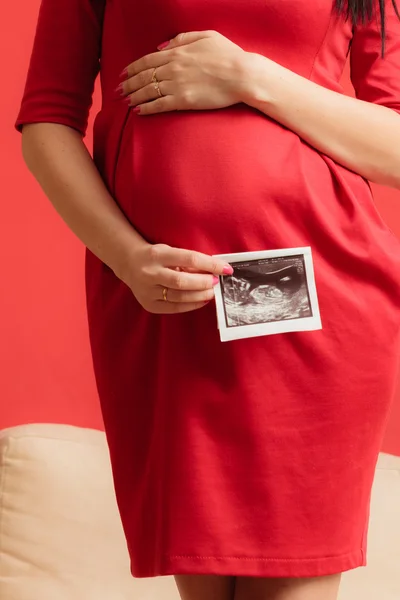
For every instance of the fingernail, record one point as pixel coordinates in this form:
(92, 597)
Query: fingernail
(215, 280)
(228, 270)
(136, 109)
(163, 45)
(120, 89)
(124, 73)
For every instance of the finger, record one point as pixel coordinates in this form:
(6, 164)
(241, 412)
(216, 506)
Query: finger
(150, 93)
(176, 296)
(150, 61)
(189, 270)
(162, 307)
(182, 282)
(143, 79)
(161, 105)
(183, 39)
(172, 257)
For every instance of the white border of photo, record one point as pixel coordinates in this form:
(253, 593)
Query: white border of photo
(312, 323)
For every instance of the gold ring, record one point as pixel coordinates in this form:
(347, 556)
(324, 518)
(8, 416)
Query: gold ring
(164, 294)
(156, 83)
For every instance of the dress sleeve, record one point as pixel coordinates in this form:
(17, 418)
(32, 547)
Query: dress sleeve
(64, 64)
(376, 79)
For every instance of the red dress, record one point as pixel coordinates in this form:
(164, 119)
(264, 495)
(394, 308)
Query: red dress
(254, 457)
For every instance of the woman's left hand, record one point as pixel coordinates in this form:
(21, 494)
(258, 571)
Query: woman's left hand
(194, 71)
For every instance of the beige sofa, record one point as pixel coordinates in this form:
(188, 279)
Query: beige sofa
(61, 538)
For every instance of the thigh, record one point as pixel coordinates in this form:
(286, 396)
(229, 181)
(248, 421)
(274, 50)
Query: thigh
(205, 587)
(316, 588)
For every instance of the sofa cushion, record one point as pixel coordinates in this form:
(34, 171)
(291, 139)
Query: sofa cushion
(381, 577)
(60, 533)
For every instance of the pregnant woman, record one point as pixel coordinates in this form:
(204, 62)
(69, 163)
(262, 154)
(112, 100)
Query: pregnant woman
(244, 468)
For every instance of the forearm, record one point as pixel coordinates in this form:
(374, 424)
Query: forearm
(59, 160)
(361, 136)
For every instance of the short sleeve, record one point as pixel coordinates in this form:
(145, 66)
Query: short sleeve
(375, 78)
(64, 64)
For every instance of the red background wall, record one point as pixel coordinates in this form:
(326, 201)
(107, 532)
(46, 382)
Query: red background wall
(46, 373)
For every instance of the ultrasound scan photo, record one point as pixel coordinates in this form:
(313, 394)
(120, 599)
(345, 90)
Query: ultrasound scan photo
(266, 290)
(269, 292)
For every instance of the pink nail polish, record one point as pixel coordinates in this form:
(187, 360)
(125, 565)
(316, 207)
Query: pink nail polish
(120, 89)
(215, 280)
(163, 46)
(124, 74)
(136, 110)
(228, 270)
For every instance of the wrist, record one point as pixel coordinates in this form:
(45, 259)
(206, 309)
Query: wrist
(125, 255)
(254, 72)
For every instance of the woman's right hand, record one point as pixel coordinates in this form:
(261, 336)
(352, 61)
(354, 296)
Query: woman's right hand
(187, 276)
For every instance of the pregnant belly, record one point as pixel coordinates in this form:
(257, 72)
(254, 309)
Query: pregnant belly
(234, 180)
(198, 175)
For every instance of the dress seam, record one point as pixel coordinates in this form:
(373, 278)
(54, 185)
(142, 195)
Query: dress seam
(266, 559)
(118, 150)
(322, 44)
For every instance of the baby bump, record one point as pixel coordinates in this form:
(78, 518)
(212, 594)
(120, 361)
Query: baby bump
(234, 180)
(203, 173)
